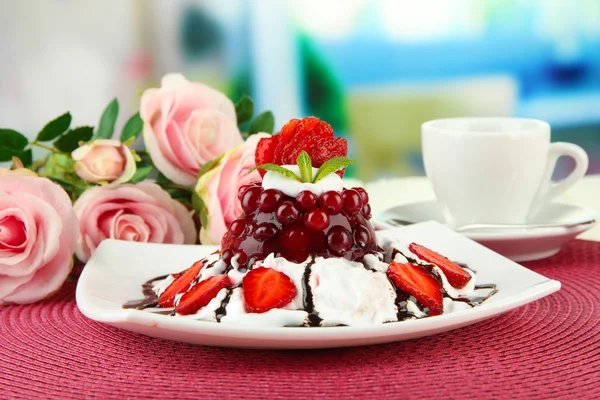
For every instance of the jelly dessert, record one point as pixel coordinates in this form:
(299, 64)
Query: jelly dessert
(304, 252)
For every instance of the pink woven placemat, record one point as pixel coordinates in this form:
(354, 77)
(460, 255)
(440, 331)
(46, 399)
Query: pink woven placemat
(548, 349)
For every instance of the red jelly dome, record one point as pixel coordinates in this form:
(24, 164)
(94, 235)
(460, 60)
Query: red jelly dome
(334, 224)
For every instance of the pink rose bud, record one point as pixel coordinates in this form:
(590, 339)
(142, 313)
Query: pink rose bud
(38, 234)
(218, 188)
(141, 212)
(187, 124)
(104, 160)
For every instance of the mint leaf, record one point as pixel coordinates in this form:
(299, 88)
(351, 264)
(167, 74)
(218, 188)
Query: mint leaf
(278, 169)
(132, 128)
(11, 139)
(106, 126)
(244, 109)
(54, 128)
(305, 164)
(264, 122)
(141, 173)
(70, 140)
(331, 166)
(210, 165)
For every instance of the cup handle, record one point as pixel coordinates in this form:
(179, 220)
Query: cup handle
(548, 189)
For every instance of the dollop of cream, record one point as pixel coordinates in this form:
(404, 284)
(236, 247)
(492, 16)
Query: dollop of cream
(290, 187)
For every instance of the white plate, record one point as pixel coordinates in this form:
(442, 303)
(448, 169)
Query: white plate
(117, 269)
(516, 244)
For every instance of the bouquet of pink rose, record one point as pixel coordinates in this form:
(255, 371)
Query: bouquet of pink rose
(91, 187)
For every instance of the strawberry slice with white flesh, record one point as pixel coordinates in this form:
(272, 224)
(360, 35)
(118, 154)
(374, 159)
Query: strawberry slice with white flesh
(457, 276)
(201, 294)
(181, 284)
(419, 282)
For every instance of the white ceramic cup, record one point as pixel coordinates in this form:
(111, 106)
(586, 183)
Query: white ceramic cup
(494, 170)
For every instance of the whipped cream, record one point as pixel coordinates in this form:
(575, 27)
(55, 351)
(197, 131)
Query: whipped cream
(330, 291)
(346, 293)
(290, 187)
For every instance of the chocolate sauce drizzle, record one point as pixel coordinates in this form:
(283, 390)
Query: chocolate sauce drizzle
(475, 301)
(222, 310)
(309, 306)
(150, 299)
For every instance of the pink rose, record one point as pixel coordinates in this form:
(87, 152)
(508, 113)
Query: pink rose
(187, 124)
(141, 212)
(218, 188)
(104, 160)
(38, 234)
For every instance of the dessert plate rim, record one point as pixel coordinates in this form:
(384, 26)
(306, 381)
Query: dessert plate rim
(103, 287)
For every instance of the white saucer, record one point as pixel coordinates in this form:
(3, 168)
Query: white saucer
(516, 244)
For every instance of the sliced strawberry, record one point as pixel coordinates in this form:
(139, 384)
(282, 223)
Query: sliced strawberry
(181, 283)
(201, 294)
(309, 134)
(287, 134)
(265, 289)
(419, 282)
(265, 151)
(457, 276)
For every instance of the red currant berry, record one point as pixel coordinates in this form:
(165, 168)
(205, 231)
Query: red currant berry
(363, 194)
(269, 200)
(237, 228)
(339, 240)
(352, 202)
(265, 232)
(242, 189)
(331, 202)
(250, 199)
(316, 220)
(287, 213)
(366, 211)
(295, 238)
(226, 256)
(306, 200)
(242, 258)
(362, 236)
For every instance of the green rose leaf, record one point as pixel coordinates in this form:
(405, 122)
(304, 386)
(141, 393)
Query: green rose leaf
(278, 169)
(141, 173)
(70, 140)
(54, 128)
(264, 122)
(331, 166)
(162, 180)
(11, 139)
(244, 109)
(210, 165)
(106, 126)
(305, 164)
(26, 157)
(7, 154)
(133, 128)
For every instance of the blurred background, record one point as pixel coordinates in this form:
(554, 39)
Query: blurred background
(373, 69)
